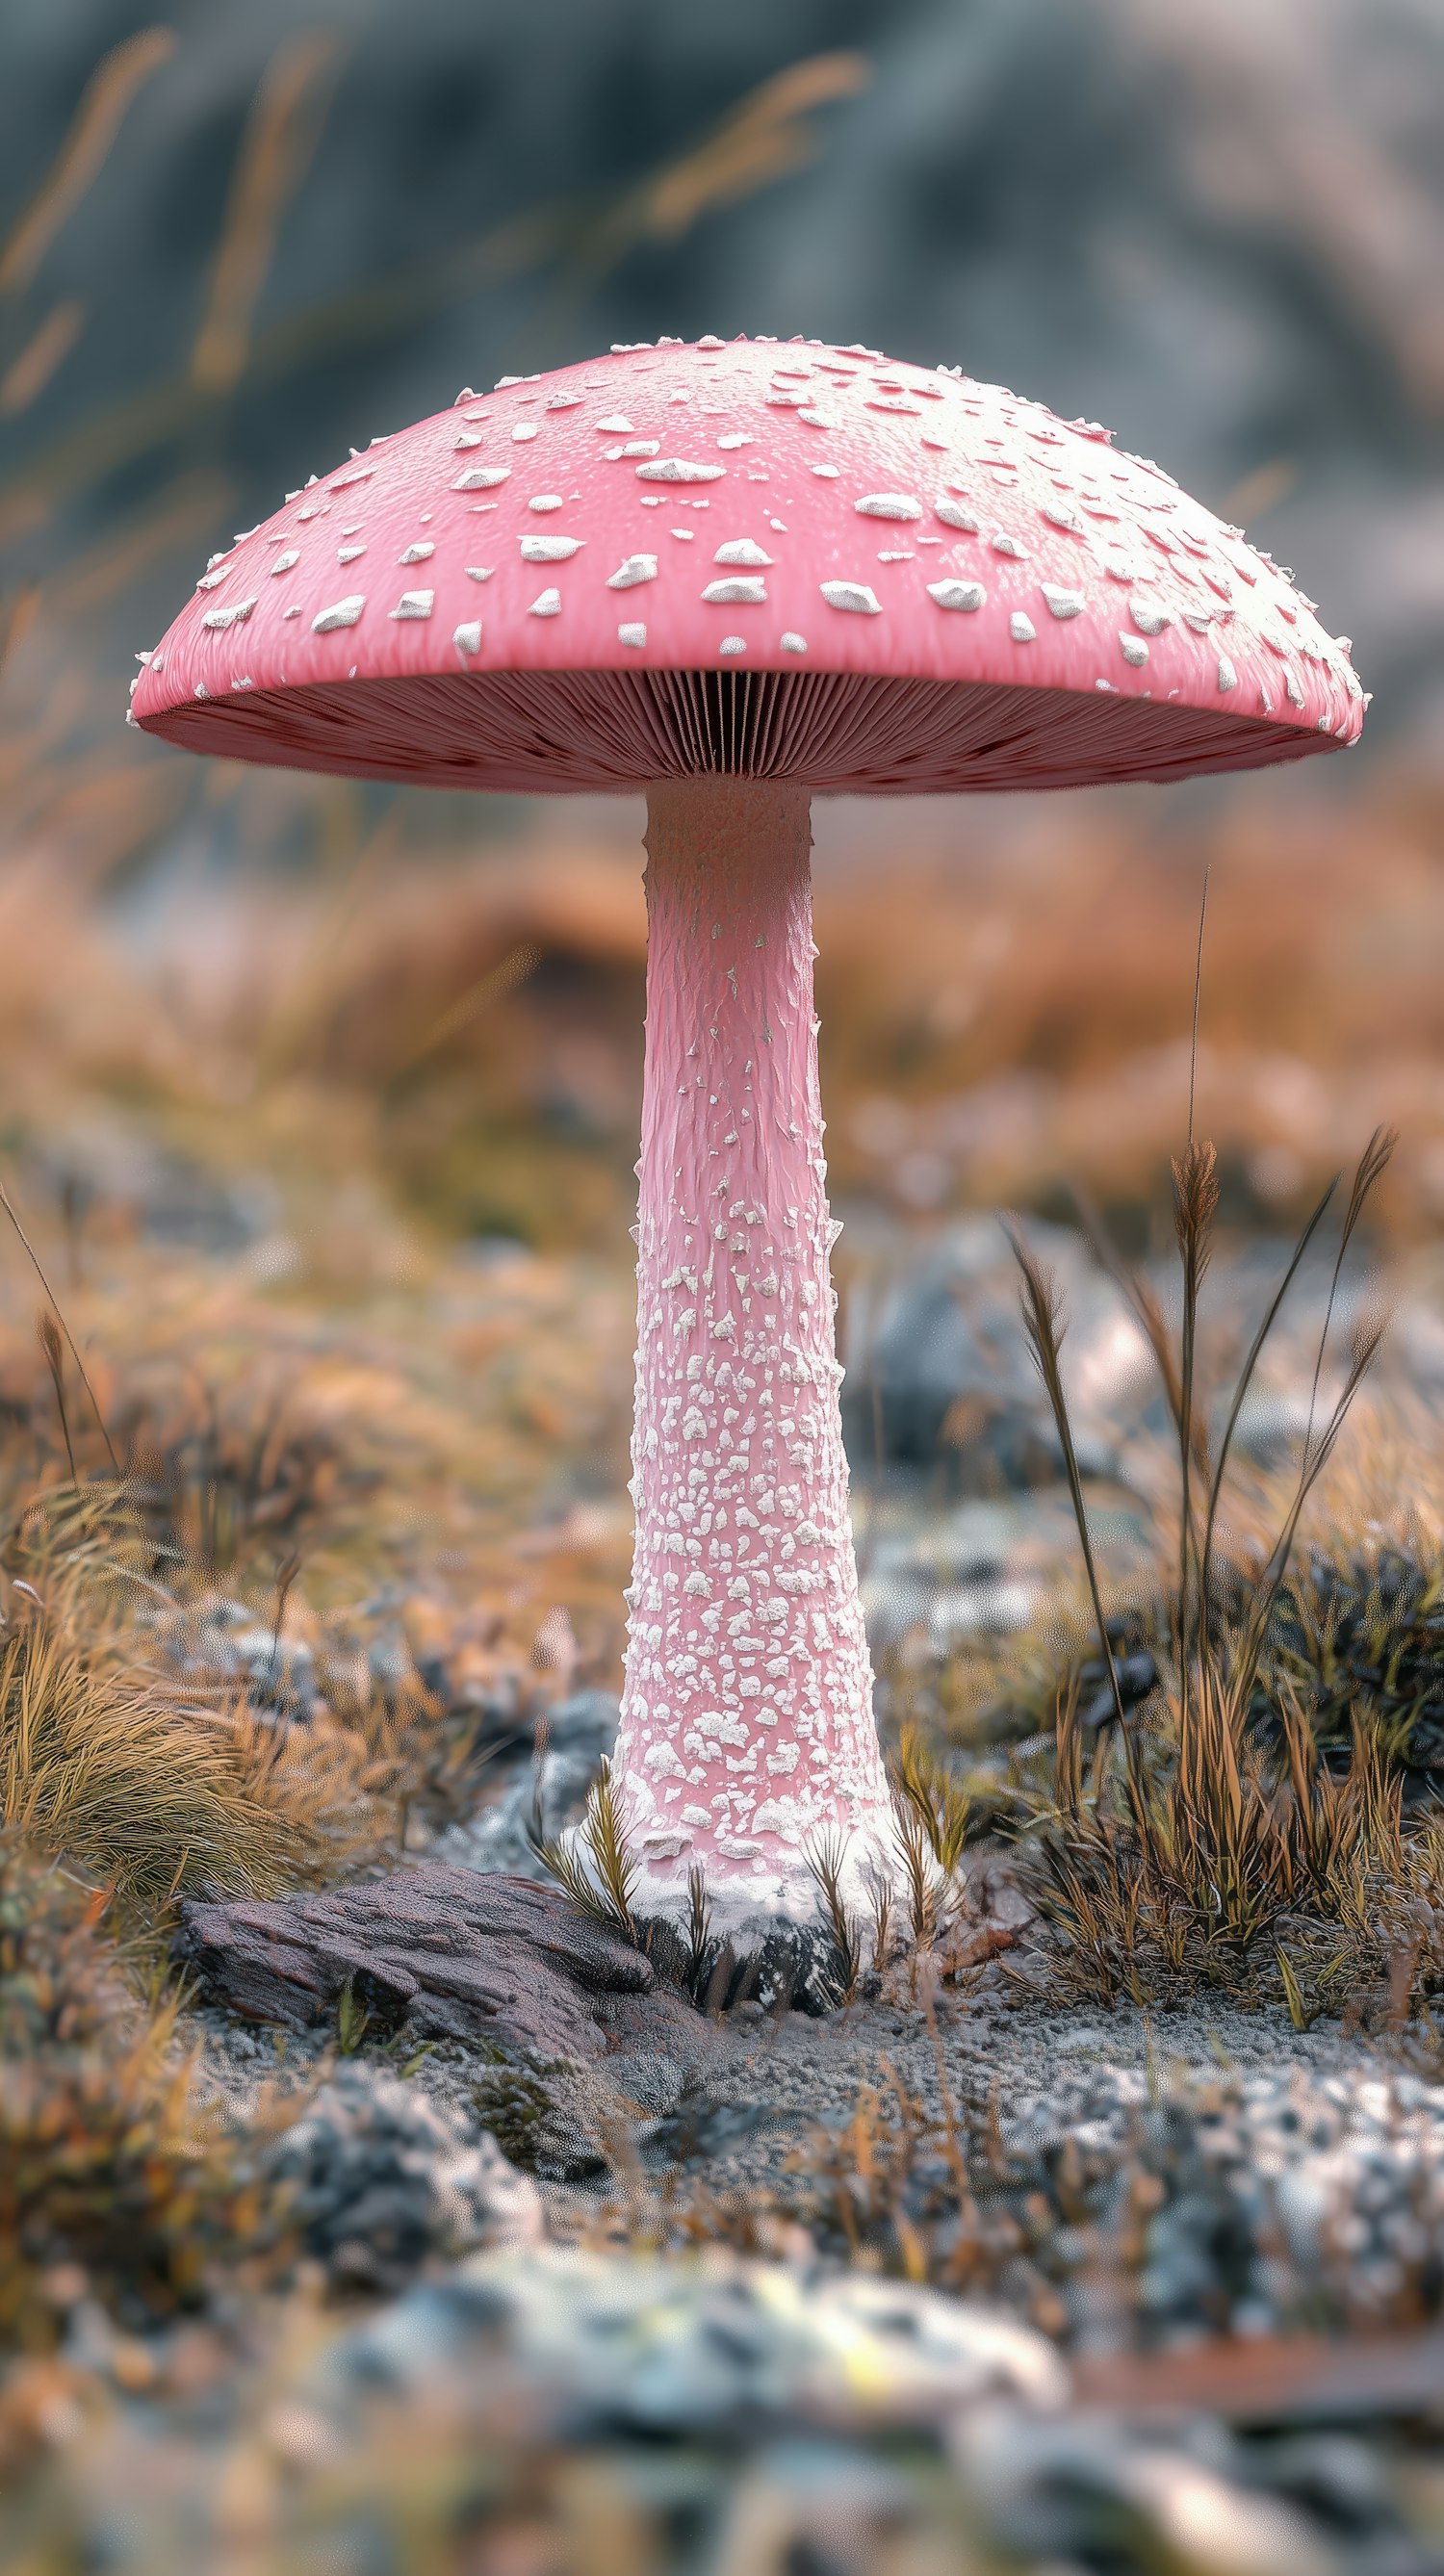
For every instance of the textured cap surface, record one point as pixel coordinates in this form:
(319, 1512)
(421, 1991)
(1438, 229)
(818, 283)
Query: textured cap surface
(773, 558)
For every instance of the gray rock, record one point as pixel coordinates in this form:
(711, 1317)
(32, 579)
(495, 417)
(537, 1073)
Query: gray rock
(454, 1954)
(1067, 2493)
(551, 1791)
(659, 2023)
(669, 2346)
(969, 1571)
(172, 1199)
(224, 1641)
(938, 1367)
(700, 2127)
(380, 2179)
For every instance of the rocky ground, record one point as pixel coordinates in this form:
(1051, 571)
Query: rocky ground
(726, 2093)
(688, 2274)
(1277, 2175)
(840, 2281)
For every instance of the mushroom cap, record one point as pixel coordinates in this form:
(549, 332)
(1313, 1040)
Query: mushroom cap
(766, 558)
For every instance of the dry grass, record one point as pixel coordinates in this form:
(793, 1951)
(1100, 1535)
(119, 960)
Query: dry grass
(99, 1762)
(378, 1406)
(116, 2181)
(154, 1782)
(1211, 1818)
(999, 1031)
(1204, 1854)
(150, 1800)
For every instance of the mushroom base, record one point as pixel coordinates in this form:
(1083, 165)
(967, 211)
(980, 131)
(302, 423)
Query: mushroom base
(747, 1747)
(747, 1909)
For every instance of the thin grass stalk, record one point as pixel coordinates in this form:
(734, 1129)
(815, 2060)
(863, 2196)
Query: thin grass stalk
(8, 1205)
(1245, 1381)
(1068, 1754)
(50, 1344)
(1195, 1207)
(1197, 1002)
(561, 1862)
(280, 135)
(583, 236)
(881, 1923)
(1372, 1164)
(117, 77)
(1267, 1590)
(1188, 1207)
(1212, 1798)
(922, 1895)
(928, 1788)
(1042, 1323)
(604, 1889)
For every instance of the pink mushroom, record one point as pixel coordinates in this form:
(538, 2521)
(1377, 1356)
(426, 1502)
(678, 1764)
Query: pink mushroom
(735, 575)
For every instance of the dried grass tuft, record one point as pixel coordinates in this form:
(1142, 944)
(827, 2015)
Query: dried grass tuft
(1184, 1846)
(112, 2170)
(595, 1866)
(154, 1786)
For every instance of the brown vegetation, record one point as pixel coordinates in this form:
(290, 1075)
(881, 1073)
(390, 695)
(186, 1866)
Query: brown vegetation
(117, 2182)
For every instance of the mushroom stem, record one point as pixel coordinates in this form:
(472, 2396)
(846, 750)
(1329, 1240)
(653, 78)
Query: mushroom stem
(747, 1736)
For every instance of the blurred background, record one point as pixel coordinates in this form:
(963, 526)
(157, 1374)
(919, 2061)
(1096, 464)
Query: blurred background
(275, 1051)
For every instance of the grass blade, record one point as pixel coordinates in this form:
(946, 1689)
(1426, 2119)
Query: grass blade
(1042, 1322)
(1245, 1380)
(8, 1206)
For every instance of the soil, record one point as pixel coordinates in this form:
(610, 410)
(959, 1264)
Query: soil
(733, 2092)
